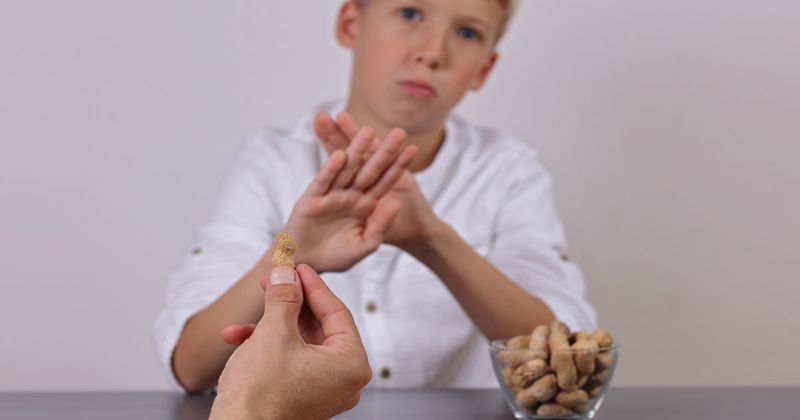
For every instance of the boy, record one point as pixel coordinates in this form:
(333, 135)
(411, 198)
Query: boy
(433, 264)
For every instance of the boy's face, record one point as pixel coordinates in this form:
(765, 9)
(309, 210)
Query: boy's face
(415, 59)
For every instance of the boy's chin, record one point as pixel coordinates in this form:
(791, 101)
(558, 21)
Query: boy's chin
(414, 116)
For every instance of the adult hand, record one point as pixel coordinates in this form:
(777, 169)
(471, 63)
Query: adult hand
(277, 373)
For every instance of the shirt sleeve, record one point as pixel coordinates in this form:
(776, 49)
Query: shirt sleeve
(222, 251)
(529, 245)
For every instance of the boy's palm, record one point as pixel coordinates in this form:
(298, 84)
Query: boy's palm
(415, 216)
(345, 213)
(415, 212)
(344, 226)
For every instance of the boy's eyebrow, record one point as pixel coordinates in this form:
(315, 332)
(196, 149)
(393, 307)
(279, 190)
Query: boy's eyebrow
(477, 21)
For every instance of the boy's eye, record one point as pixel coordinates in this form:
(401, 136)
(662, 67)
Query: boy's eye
(410, 13)
(468, 33)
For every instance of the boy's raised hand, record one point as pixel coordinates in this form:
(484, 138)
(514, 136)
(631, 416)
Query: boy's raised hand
(345, 213)
(338, 134)
(416, 220)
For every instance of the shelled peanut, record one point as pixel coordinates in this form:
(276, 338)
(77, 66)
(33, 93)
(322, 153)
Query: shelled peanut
(553, 372)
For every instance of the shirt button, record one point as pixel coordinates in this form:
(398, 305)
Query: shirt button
(386, 373)
(371, 307)
(197, 251)
(564, 257)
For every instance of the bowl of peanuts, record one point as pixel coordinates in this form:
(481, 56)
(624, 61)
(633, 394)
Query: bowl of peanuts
(553, 373)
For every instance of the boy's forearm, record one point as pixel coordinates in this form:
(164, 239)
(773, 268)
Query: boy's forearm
(201, 354)
(496, 305)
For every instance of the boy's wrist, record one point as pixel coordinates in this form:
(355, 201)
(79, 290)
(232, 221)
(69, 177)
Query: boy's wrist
(305, 258)
(429, 244)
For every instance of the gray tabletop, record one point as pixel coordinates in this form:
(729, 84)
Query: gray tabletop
(620, 404)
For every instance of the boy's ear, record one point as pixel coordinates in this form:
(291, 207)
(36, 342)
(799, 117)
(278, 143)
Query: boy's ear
(485, 70)
(347, 24)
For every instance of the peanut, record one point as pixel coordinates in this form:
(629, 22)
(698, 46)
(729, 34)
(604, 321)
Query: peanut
(585, 351)
(600, 377)
(539, 339)
(578, 336)
(572, 399)
(595, 391)
(516, 357)
(542, 390)
(518, 342)
(284, 248)
(604, 360)
(545, 388)
(602, 337)
(561, 358)
(507, 372)
(528, 372)
(525, 398)
(554, 410)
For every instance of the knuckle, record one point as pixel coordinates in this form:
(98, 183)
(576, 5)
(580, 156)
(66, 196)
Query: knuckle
(359, 372)
(284, 293)
(353, 401)
(364, 376)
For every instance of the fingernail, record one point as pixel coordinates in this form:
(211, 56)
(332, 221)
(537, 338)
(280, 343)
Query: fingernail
(281, 275)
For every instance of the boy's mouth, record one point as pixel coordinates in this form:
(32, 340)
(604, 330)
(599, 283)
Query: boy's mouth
(418, 88)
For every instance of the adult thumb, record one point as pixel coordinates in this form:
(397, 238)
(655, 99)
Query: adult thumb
(283, 299)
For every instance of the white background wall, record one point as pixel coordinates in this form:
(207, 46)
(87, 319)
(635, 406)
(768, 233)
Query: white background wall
(672, 128)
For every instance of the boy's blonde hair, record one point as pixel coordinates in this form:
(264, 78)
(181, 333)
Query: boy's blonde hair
(509, 5)
(511, 9)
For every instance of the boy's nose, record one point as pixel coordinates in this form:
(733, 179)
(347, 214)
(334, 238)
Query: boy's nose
(432, 51)
(430, 60)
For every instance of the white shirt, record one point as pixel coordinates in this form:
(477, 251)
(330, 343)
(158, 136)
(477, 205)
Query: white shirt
(489, 187)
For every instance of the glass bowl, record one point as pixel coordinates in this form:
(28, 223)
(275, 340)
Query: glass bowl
(533, 389)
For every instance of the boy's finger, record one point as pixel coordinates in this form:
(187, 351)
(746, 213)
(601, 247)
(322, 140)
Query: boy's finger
(349, 127)
(347, 124)
(380, 221)
(329, 133)
(237, 334)
(335, 319)
(319, 128)
(325, 177)
(380, 161)
(393, 174)
(356, 155)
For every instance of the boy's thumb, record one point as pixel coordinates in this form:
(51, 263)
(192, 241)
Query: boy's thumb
(283, 300)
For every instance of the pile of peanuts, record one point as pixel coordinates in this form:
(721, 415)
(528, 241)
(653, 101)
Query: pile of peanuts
(553, 372)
